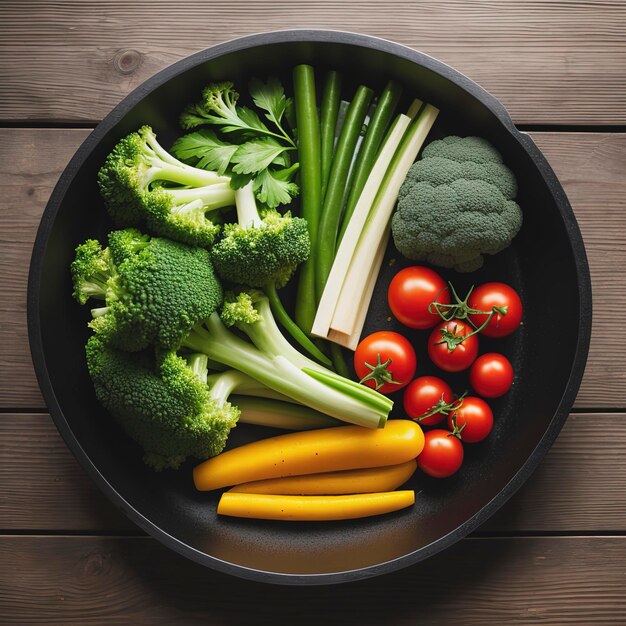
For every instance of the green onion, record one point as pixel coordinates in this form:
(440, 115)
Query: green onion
(331, 96)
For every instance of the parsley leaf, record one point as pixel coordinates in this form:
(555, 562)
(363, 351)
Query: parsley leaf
(256, 155)
(203, 146)
(275, 188)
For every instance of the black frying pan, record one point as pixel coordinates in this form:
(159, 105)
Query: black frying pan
(546, 264)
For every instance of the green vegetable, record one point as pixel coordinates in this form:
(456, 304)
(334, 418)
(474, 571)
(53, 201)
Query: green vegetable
(154, 290)
(310, 180)
(264, 252)
(370, 149)
(252, 150)
(456, 205)
(142, 184)
(331, 96)
(333, 199)
(271, 360)
(174, 410)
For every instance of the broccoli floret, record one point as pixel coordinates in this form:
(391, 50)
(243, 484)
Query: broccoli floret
(154, 290)
(143, 185)
(456, 204)
(161, 403)
(264, 251)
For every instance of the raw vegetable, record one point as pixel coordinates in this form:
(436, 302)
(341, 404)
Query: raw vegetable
(428, 400)
(174, 410)
(264, 252)
(143, 185)
(311, 182)
(376, 228)
(411, 293)
(335, 190)
(457, 204)
(491, 375)
(453, 345)
(270, 359)
(367, 480)
(442, 455)
(252, 151)
(385, 361)
(508, 314)
(312, 452)
(376, 130)
(348, 245)
(331, 96)
(153, 290)
(313, 508)
(472, 421)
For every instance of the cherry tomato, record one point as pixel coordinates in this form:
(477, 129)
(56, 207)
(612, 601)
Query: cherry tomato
(491, 375)
(424, 395)
(485, 297)
(474, 419)
(385, 361)
(442, 455)
(410, 293)
(446, 355)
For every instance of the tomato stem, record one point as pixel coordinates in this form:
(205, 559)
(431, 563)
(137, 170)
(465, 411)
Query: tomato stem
(452, 340)
(380, 373)
(443, 407)
(456, 431)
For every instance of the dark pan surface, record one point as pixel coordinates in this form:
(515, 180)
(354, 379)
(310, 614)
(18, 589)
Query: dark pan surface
(546, 264)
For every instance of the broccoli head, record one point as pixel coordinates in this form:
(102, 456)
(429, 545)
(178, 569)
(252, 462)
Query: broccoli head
(154, 290)
(265, 253)
(143, 184)
(456, 204)
(161, 402)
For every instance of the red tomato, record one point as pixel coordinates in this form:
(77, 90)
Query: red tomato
(385, 361)
(442, 455)
(485, 297)
(452, 358)
(491, 375)
(410, 293)
(424, 395)
(474, 417)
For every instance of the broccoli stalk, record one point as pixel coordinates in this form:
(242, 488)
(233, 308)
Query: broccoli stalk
(142, 183)
(272, 361)
(264, 252)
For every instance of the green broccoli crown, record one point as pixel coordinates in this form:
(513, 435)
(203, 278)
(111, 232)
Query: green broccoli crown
(268, 253)
(456, 204)
(160, 403)
(239, 308)
(142, 183)
(219, 102)
(93, 272)
(157, 291)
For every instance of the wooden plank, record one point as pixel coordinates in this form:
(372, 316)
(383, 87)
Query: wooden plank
(591, 167)
(111, 580)
(573, 490)
(549, 62)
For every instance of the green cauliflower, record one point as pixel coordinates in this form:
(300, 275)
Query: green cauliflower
(154, 290)
(456, 204)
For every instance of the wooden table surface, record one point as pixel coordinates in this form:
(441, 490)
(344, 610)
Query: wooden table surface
(555, 554)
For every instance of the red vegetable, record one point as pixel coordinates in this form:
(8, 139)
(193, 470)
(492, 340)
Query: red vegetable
(491, 375)
(385, 361)
(473, 421)
(412, 291)
(508, 316)
(426, 400)
(452, 346)
(442, 455)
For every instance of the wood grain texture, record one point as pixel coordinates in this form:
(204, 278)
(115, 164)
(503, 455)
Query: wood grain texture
(110, 580)
(549, 62)
(591, 167)
(573, 490)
